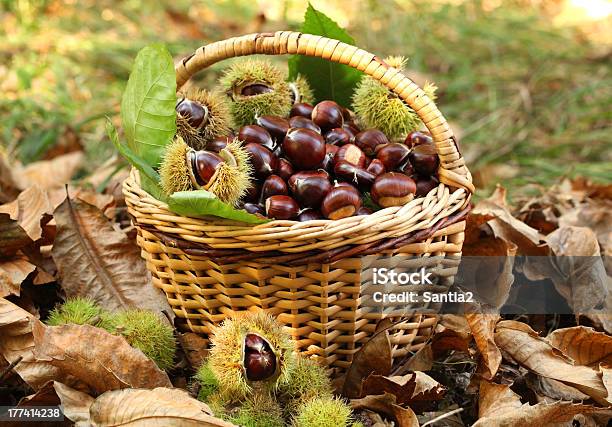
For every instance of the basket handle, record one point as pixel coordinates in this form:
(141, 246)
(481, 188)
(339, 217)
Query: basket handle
(452, 171)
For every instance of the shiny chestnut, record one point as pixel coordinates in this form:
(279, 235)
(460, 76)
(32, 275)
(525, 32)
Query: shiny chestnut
(284, 169)
(264, 162)
(255, 89)
(424, 159)
(309, 215)
(195, 113)
(304, 148)
(376, 167)
(204, 165)
(256, 134)
(252, 194)
(218, 143)
(425, 184)
(254, 208)
(301, 109)
(341, 202)
(417, 138)
(272, 186)
(392, 155)
(364, 211)
(327, 115)
(277, 127)
(352, 154)
(339, 136)
(281, 207)
(310, 188)
(393, 189)
(369, 139)
(304, 123)
(348, 172)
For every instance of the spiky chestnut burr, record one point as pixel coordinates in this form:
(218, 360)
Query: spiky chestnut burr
(256, 88)
(308, 380)
(201, 116)
(301, 91)
(77, 311)
(225, 174)
(378, 107)
(236, 340)
(323, 412)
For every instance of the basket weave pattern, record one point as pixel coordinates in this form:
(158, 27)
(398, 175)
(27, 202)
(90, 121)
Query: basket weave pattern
(308, 274)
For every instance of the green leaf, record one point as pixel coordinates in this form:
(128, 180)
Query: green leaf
(147, 106)
(203, 203)
(135, 160)
(328, 80)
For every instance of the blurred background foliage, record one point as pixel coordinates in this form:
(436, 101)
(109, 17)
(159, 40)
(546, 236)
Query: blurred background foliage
(527, 85)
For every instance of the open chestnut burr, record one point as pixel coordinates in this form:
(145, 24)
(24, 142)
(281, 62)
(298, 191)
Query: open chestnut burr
(204, 166)
(392, 189)
(281, 207)
(304, 148)
(195, 113)
(341, 202)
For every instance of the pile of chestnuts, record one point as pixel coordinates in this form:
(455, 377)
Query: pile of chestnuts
(318, 163)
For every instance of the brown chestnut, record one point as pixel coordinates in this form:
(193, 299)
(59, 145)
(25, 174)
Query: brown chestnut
(392, 189)
(195, 113)
(327, 115)
(304, 148)
(342, 201)
(417, 138)
(339, 136)
(376, 167)
(310, 188)
(257, 135)
(284, 169)
(264, 162)
(204, 165)
(348, 172)
(364, 211)
(351, 128)
(425, 184)
(252, 194)
(272, 186)
(304, 123)
(328, 160)
(348, 115)
(301, 109)
(254, 209)
(259, 359)
(277, 127)
(281, 207)
(369, 139)
(352, 154)
(424, 159)
(309, 215)
(305, 174)
(255, 89)
(405, 168)
(392, 155)
(217, 144)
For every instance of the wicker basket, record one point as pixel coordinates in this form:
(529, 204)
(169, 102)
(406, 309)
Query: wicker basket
(308, 274)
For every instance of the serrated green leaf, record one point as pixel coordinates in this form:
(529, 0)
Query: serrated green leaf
(147, 106)
(135, 160)
(202, 203)
(328, 80)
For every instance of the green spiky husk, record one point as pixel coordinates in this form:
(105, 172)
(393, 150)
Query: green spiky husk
(209, 385)
(245, 109)
(218, 118)
(145, 331)
(306, 381)
(173, 172)
(323, 412)
(259, 410)
(77, 311)
(233, 182)
(226, 354)
(378, 107)
(305, 91)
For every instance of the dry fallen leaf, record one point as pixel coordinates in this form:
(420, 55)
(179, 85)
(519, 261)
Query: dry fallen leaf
(31, 207)
(99, 360)
(386, 404)
(166, 407)
(49, 173)
(483, 327)
(94, 260)
(9, 189)
(549, 390)
(12, 236)
(416, 389)
(584, 345)
(523, 345)
(496, 398)
(195, 347)
(13, 271)
(375, 357)
(16, 341)
(75, 403)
